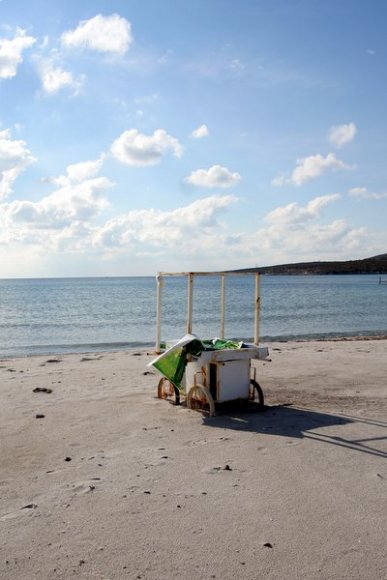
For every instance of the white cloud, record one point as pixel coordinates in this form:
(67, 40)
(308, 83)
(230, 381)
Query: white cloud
(292, 230)
(68, 205)
(133, 148)
(330, 241)
(11, 53)
(164, 229)
(109, 34)
(54, 78)
(339, 135)
(62, 221)
(297, 233)
(309, 168)
(79, 172)
(215, 176)
(200, 132)
(62, 218)
(363, 193)
(14, 158)
(294, 214)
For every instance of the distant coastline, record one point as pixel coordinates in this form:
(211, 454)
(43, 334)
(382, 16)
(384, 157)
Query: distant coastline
(374, 265)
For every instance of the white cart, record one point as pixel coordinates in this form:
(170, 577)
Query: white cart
(222, 376)
(214, 376)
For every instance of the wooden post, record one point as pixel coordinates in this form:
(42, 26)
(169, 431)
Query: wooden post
(159, 280)
(222, 305)
(257, 307)
(189, 303)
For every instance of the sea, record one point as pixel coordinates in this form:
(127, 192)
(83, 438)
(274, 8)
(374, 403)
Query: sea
(63, 315)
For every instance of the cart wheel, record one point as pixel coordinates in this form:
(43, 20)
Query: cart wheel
(166, 390)
(255, 389)
(199, 397)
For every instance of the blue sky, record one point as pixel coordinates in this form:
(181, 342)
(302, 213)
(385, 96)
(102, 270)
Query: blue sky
(139, 136)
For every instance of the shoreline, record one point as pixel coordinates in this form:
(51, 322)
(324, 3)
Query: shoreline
(382, 335)
(100, 479)
(60, 350)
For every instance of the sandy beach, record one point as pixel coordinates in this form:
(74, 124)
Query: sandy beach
(99, 479)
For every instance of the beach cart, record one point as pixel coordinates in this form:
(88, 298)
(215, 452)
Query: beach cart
(206, 373)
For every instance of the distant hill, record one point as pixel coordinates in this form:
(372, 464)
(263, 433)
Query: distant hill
(374, 265)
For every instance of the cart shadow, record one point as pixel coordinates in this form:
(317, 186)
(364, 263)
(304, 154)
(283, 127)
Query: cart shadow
(299, 423)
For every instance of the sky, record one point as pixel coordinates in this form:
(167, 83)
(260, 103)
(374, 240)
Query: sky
(139, 136)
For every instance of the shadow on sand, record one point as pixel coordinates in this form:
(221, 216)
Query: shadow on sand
(288, 421)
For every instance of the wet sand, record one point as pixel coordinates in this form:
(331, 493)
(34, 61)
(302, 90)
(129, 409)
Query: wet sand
(99, 479)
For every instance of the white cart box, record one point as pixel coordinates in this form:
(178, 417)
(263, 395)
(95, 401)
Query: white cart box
(226, 373)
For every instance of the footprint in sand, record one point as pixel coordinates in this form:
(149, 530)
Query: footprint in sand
(263, 450)
(84, 487)
(206, 441)
(28, 508)
(217, 469)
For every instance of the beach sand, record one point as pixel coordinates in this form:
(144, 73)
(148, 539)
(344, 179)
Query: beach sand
(99, 479)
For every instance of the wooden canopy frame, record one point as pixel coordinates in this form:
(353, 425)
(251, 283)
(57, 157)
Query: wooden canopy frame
(190, 283)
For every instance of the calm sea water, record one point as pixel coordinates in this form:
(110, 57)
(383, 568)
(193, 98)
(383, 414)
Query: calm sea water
(43, 316)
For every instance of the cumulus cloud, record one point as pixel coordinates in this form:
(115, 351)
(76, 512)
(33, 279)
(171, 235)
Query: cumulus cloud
(11, 53)
(63, 221)
(309, 168)
(133, 148)
(54, 78)
(62, 218)
(68, 205)
(215, 176)
(106, 34)
(294, 214)
(200, 132)
(290, 230)
(363, 193)
(79, 172)
(14, 158)
(300, 233)
(156, 228)
(339, 135)
(307, 243)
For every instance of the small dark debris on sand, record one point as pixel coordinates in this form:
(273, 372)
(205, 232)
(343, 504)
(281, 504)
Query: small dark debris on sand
(53, 360)
(67, 458)
(41, 390)
(29, 506)
(39, 416)
(268, 545)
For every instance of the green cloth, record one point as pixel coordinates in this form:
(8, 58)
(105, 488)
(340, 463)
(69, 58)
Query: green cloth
(172, 365)
(220, 344)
